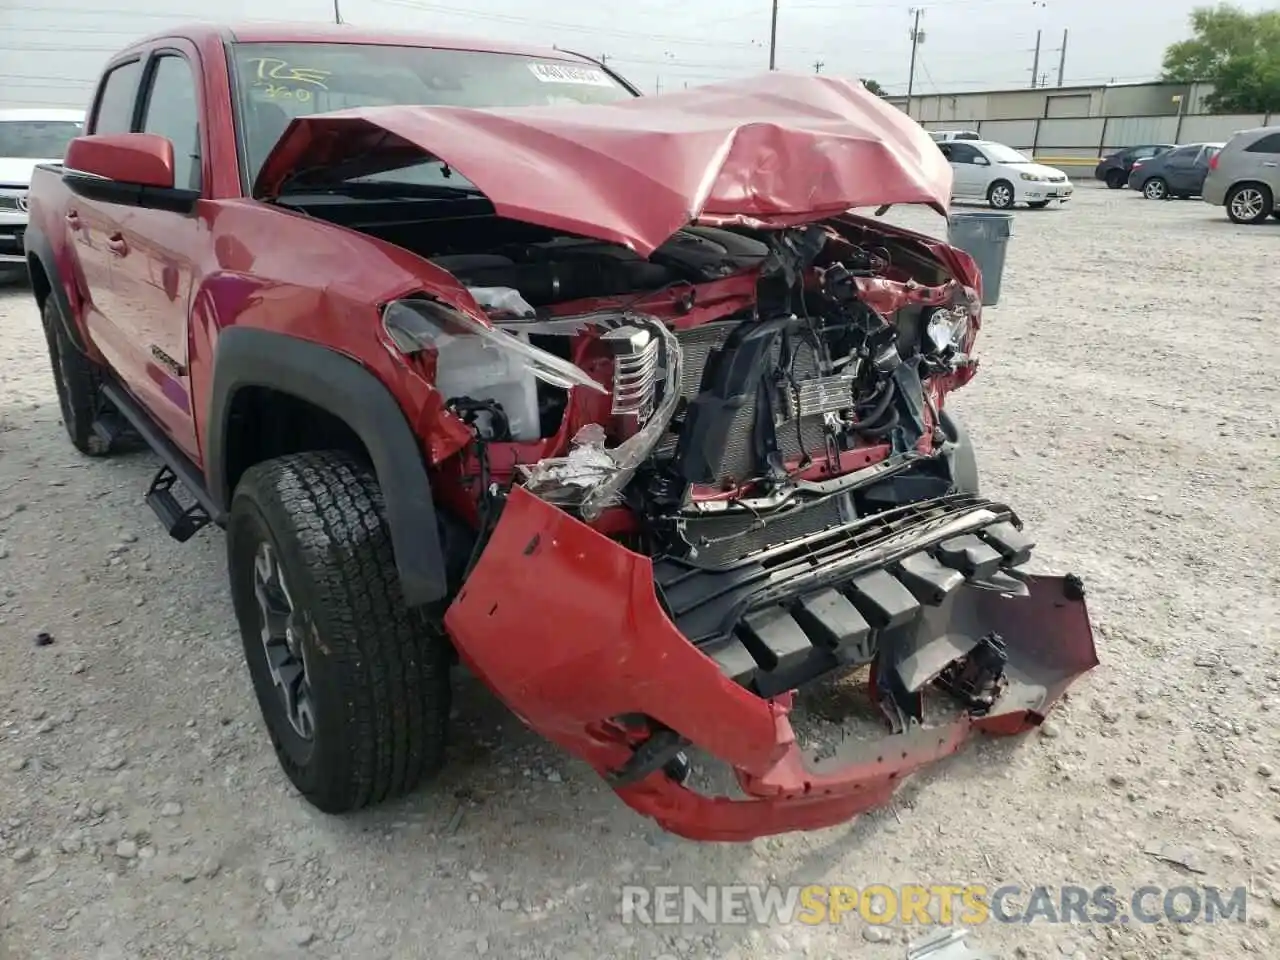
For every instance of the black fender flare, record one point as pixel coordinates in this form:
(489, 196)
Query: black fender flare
(959, 453)
(249, 357)
(37, 247)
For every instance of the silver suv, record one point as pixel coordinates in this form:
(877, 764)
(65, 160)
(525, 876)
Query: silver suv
(1245, 176)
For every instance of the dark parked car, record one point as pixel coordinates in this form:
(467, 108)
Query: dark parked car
(1179, 172)
(1114, 170)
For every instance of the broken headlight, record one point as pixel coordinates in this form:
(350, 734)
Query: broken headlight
(591, 476)
(948, 329)
(416, 325)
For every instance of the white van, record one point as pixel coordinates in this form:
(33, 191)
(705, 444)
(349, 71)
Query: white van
(941, 136)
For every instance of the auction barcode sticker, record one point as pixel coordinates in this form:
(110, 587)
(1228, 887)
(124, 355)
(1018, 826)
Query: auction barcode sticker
(570, 73)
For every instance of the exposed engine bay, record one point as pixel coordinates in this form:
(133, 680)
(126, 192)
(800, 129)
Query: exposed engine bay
(732, 391)
(691, 415)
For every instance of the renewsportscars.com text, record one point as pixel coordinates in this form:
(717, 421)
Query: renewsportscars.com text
(968, 904)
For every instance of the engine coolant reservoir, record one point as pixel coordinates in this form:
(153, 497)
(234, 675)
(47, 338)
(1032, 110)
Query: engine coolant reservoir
(473, 367)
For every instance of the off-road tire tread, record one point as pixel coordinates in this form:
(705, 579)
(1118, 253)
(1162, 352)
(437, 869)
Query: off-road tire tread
(393, 661)
(78, 381)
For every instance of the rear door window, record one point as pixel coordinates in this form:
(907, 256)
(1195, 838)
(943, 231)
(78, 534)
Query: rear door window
(117, 100)
(1268, 144)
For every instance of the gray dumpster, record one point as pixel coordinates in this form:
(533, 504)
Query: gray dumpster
(984, 235)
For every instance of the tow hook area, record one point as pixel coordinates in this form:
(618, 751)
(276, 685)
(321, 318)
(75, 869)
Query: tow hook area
(662, 749)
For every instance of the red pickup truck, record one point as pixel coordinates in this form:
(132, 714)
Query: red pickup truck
(476, 353)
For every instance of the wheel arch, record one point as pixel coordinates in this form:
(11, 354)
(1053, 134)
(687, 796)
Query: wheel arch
(46, 281)
(1252, 182)
(1002, 179)
(255, 367)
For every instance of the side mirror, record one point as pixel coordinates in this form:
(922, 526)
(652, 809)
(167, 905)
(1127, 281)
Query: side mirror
(135, 169)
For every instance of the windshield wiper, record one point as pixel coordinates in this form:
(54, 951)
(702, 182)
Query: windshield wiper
(382, 190)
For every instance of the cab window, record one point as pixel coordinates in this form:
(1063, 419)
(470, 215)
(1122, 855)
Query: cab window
(173, 112)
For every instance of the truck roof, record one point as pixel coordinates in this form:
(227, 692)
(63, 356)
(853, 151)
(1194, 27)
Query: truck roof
(273, 32)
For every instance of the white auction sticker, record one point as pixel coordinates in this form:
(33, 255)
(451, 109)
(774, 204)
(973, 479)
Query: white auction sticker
(570, 73)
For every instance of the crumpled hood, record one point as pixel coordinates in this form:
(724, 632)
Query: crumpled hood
(773, 150)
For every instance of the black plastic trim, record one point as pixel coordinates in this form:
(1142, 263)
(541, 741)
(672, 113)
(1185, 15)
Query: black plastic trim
(247, 357)
(172, 199)
(959, 454)
(177, 461)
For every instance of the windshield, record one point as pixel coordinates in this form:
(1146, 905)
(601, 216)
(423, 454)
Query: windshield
(999, 153)
(277, 82)
(37, 139)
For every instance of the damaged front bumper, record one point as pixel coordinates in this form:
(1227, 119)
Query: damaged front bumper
(580, 636)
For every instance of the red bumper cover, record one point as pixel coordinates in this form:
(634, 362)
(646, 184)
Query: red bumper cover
(566, 627)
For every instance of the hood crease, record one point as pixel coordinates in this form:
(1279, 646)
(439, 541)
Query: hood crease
(769, 151)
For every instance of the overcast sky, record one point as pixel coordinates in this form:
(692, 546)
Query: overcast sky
(51, 49)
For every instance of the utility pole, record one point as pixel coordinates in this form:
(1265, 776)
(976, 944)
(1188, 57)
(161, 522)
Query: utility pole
(773, 38)
(917, 38)
(604, 59)
(1062, 58)
(657, 85)
(817, 66)
(337, 12)
(1035, 64)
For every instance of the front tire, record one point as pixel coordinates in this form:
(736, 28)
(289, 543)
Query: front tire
(353, 685)
(1116, 179)
(1000, 195)
(1155, 189)
(78, 381)
(1249, 203)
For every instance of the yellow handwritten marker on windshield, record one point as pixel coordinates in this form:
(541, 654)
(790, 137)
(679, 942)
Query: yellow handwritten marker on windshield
(272, 68)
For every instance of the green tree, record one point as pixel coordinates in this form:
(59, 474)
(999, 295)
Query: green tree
(874, 87)
(1235, 50)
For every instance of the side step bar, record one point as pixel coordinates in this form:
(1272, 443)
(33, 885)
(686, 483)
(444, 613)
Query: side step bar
(182, 523)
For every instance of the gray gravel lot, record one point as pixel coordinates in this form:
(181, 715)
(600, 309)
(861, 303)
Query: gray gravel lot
(1127, 407)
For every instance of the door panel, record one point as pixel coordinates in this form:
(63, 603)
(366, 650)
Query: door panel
(154, 252)
(90, 223)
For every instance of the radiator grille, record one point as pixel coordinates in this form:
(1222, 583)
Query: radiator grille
(740, 535)
(738, 458)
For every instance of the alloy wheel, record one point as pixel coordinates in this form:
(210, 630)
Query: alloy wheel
(1001, 196)
(1155, 189)
(282, 641)
(1247, 204)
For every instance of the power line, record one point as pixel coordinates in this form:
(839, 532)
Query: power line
(51, 82)
(559, 26)
(60, 48)
(179, 17)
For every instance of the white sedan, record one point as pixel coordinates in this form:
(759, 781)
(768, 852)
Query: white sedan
(983, 170)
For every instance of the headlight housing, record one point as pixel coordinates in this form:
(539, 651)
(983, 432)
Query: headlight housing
(1033, 177)
(949, 329)
(415, 325)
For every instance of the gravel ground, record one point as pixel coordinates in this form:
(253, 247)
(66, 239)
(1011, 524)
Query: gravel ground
(1127, 407)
